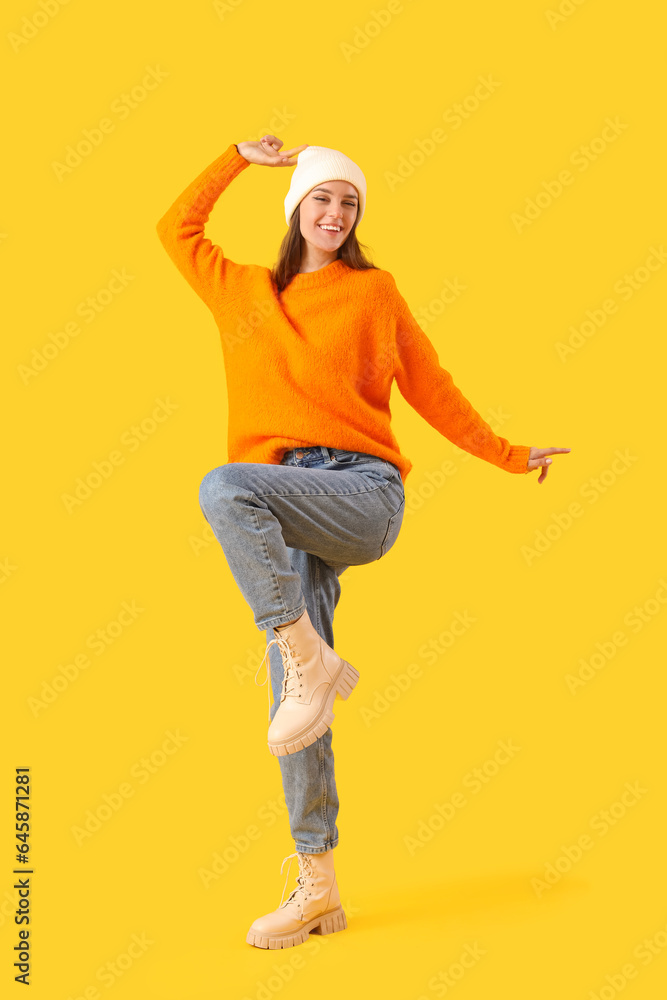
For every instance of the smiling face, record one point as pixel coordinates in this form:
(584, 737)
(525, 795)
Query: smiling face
(330, 204)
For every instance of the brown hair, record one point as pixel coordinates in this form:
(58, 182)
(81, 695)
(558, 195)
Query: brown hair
(289, 254)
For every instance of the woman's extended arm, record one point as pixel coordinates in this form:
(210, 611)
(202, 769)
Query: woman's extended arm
(431, 391)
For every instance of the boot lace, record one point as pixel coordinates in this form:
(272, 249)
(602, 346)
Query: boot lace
(301, 893)
(291, 673)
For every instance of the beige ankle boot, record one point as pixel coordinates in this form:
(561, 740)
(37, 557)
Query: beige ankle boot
(314, 676)
(314, 906)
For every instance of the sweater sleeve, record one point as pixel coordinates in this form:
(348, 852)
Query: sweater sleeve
(430, 390)
(181, 230)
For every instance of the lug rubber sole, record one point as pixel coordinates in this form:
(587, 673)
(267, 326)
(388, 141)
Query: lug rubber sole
(341, 687)
(328, 923)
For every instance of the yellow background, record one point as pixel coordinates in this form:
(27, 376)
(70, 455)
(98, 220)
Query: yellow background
(185, 663)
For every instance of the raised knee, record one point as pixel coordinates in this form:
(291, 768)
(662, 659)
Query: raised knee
(220, 483)
(210, 487)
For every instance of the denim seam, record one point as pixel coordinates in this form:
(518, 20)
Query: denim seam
(383, 550)
(320, 742)
(278, 620)
(323, 778)
(309, 849)
(276, 585)
(356, 493)
(318, 615)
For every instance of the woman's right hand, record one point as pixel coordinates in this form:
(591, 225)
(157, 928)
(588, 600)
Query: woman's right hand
(267, 152)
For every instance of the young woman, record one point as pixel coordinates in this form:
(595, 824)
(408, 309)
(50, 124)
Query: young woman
(315, 477)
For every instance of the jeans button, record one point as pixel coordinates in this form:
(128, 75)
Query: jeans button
(299, 454)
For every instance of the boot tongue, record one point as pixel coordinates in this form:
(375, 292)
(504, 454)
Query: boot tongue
(305, 871)
(294, 896)
(288, 653)
(299, 895)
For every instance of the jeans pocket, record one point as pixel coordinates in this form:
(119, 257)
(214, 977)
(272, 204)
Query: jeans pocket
(393, 528)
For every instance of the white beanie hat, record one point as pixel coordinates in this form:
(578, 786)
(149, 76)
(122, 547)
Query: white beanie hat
(319, 163)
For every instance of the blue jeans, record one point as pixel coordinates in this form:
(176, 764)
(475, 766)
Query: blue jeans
(288, 531)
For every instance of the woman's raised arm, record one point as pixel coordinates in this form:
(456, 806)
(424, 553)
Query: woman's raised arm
(181, 229)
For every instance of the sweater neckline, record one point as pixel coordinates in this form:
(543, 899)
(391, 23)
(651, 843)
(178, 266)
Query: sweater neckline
(322, 276)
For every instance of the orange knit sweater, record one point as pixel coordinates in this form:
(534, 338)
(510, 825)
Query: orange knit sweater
(315, 364)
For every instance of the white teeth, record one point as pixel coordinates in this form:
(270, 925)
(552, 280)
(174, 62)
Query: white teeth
(333, 229)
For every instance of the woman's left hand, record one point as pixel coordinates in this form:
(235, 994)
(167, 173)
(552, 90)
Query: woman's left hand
(537, 457)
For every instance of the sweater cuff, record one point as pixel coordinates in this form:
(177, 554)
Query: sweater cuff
(517, 460)
(236, 150)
